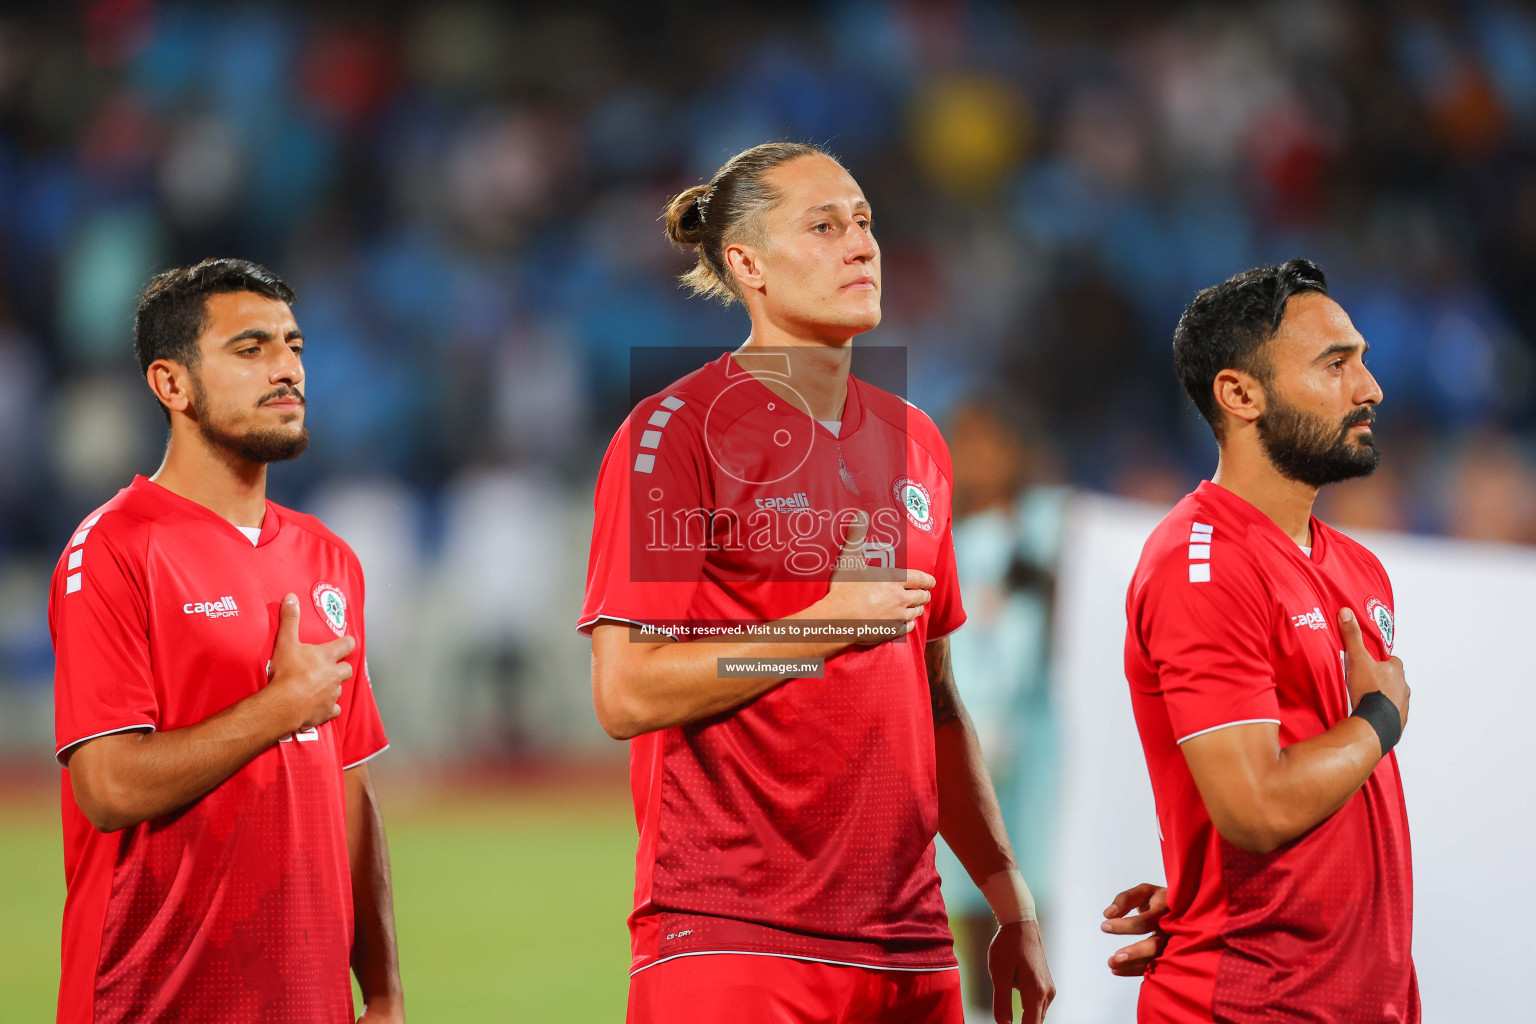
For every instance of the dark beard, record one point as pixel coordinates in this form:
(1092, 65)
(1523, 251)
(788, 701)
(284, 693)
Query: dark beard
(261, 446)
(258, 446)
(1307, 449)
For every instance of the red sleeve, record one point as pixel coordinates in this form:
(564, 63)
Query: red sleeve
(945, 607)
(98, 617)
(646, 559)
(948, 614)
(1209, 640)
(362, 735)
(1388, 639)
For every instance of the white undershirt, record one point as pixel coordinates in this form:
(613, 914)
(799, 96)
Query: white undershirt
(1305, 550)
(252, 533)
(832, 425)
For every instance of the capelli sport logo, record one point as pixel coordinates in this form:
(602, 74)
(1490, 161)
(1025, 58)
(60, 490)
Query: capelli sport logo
(223, 608)
(786, 503)
(1314, 619)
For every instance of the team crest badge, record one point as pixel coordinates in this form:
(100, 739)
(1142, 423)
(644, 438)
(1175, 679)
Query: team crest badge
(1382, 616)
(332, 605)
(913, 497)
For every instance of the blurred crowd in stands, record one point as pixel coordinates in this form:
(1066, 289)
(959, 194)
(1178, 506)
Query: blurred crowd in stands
(465, 197)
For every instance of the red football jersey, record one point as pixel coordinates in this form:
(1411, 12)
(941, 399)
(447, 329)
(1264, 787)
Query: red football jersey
(238, 907)
(1229, 621)
(802, 823)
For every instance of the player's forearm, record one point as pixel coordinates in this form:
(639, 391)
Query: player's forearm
(375, 956)
(1316, 777)
(122, 780)
(1265, 806)
(969, 818)
(642, 687)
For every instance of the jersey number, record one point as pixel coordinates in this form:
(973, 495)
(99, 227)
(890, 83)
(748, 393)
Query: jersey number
(310, 735)
(880, 555)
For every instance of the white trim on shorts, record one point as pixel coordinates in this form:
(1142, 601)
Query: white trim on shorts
(791, 956)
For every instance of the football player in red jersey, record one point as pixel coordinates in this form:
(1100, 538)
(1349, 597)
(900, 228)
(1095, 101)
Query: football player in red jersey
(1259, 655)
(787, 813)
(224, 851)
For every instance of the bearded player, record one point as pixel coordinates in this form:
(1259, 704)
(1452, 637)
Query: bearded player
(1259, 654)
(787, 814)
(223, 848)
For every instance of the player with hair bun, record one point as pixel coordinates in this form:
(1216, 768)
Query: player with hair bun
(789, 776)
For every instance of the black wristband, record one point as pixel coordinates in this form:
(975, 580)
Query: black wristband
(1377, 709)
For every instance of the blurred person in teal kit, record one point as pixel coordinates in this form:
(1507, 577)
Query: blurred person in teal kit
(1007, 535)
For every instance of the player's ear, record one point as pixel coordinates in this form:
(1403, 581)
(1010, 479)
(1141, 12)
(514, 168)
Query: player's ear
(1239, 395)
(172, 384)
(744, 261)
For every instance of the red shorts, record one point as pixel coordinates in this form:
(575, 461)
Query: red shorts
(738, 988)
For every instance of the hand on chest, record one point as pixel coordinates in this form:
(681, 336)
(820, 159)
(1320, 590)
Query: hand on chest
(1309, 649)
(213, 625)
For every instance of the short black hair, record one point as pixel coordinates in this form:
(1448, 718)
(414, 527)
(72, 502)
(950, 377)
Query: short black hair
(172, 309)
(1226, 326)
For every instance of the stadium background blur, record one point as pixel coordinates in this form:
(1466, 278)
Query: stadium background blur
(465, 198)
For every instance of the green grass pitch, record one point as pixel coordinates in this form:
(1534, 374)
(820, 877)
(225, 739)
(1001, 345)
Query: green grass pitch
(510, 906)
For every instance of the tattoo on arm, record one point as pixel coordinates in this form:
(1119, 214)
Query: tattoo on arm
(941, 683)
